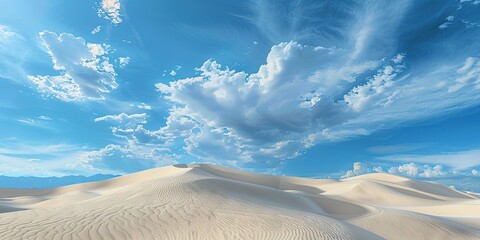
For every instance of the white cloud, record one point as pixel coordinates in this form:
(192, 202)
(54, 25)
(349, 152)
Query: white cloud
(436, 171)
(28, 121)
(138, 149)
(409, 169)
(474, 2)
(172, 72)
(144, 106)
(39, 121)
(470, 75)
(123, 61)
(470, 24)
(425, 171)
(46, 118)
(97, 29)
(358, 169)
(268, 113)
(306, 95)
(448, 22)
(6, 35)
(110, 9)
(13, 51)
(125, 119)
(41, 159)
(348, 174)
(85, 70)
(412, 170)
(126, 158)
(458, 160)
(362, 96)
(365, 24)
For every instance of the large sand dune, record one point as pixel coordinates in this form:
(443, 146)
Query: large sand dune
(212, 202)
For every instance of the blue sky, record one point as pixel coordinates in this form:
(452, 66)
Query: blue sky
(305, 88)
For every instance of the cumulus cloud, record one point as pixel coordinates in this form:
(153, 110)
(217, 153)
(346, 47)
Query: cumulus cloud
(110, 9)
(137, 148)
(358, 169)
(362, 96)
(425, 171)
(85, 71)
(172, 72)
(305, 95)
(126, 158)
(435, 171)
(378, 169)
(411, 169)
(466, 180)
(267, 114)
(357, 78)
(123, 61)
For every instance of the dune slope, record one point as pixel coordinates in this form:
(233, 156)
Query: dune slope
(201, 201)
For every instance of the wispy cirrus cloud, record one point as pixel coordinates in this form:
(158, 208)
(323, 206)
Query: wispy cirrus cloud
(6, 35)
(42, 121)
(458, 160)
(23, 158)
(395, 148)
(12, 54)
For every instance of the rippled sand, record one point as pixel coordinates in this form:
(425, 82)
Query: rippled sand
(203, 201)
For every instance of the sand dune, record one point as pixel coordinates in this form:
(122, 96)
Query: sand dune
(203, 201)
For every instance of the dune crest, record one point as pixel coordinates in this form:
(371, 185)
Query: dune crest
(201, 201)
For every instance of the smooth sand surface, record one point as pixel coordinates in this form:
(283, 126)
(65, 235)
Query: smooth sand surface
(201, 201)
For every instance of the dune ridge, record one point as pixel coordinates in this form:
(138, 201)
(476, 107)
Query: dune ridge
(202, 201)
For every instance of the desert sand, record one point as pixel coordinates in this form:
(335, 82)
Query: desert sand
(201, 201)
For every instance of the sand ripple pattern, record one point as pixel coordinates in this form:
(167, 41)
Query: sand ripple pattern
(210, 202)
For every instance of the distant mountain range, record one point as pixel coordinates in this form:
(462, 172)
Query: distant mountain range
(49, 182)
